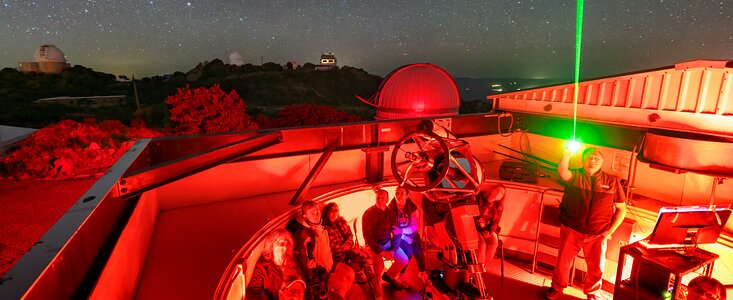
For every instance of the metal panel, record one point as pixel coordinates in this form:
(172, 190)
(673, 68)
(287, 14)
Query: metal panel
(670, 90)
(567, 95)
(636, 92)
(606, 94)
(725, 105)
(592, 96)
(556, 96)
(690, 90)
(710, 92)
(621, 93)
(652, 91)
(689, 152)
(56, 265)
(163, 173)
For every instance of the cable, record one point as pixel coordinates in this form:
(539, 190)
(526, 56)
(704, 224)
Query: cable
(511, 124)
(522, 138)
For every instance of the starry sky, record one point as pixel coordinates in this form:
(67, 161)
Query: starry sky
(476, 38)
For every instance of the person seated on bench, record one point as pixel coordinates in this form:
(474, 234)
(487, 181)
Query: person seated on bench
(314, 250)
(380, 241)
(339, 232)
(344, 251)
(405, 219)
(490, 201)
(276, 263)
(491, 206)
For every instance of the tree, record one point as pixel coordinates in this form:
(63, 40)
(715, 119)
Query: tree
(10, 76)
(207, 110)
(214, 69)
(272, 67)
(308, 66)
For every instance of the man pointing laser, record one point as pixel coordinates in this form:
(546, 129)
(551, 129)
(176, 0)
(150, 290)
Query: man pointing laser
(592, 207)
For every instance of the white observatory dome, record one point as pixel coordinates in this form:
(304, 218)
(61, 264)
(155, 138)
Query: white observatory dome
(49, 53)
(236, 59)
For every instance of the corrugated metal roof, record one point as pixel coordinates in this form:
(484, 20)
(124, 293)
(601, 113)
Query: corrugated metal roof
(694, 96)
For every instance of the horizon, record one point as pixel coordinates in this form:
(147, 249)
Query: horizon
(340, 66)
(559, 80)
(502, 39)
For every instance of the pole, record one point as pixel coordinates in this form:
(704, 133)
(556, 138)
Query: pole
(137, 99)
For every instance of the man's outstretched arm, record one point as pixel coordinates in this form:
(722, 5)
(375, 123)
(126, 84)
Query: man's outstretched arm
(563, 168)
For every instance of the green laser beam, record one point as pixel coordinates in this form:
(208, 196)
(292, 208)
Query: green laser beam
(578, 40)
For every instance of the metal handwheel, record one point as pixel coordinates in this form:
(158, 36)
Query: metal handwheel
(420, 160)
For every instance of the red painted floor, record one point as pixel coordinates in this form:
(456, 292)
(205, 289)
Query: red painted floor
(28, 209)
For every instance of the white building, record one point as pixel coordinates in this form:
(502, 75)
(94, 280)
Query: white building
(46, 59)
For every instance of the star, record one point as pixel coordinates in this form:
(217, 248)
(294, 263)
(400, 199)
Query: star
(509, 38)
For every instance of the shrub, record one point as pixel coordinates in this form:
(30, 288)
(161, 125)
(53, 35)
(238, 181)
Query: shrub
(69, 148)
(207, 110)
(313, 114)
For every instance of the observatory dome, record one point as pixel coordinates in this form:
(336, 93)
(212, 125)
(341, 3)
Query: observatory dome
(236, 59)
(417, 90)
(49, 53)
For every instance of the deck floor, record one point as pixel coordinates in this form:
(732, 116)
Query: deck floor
(518, 283)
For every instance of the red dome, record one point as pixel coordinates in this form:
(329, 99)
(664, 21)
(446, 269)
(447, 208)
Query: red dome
(417, 90)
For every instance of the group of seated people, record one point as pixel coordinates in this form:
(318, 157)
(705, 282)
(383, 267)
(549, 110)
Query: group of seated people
(316, 257)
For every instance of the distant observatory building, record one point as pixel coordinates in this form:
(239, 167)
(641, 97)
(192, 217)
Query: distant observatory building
(236, 59)
(328, 61)
(47, 59)
(415, 91)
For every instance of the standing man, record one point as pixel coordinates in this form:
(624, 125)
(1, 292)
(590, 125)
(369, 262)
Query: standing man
(593, 206)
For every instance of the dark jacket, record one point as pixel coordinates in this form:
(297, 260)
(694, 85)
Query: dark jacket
(376, 226)
(304, 239)
(267, 279)
(589, 201)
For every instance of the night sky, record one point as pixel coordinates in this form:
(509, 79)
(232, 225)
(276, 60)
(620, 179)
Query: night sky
(480, 39)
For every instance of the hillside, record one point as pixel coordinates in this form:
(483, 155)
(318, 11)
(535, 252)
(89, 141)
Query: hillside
(265, 89)
(19, 90)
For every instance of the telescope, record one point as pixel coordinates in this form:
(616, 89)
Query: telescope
(433, 161)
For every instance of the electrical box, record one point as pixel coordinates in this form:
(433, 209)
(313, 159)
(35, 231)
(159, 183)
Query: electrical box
(518, 171)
